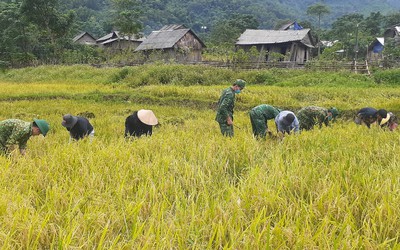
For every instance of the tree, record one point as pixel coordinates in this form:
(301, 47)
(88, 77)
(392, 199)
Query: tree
(392, 51)
(17, 37)
(319, 10)
(392, 19)
(227, 31)
(346, 31)
(126, 14)
(374, 24)
(53, 25)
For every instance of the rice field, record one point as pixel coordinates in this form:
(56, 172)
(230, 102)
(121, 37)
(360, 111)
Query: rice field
(187, 186)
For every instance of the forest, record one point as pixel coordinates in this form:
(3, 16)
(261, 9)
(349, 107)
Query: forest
(41, 32)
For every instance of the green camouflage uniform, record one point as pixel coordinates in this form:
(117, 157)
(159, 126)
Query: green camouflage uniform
(259, 116)
(310, 116)
(14, 132)
(226, 104)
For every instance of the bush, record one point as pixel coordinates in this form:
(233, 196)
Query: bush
(263, 77)
(179, 75)
(390, 77)
(120, 75)
(4, 65)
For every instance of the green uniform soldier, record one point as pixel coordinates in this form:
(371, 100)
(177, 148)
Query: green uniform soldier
(226, 104)
(311, 116)
(259, 117)
(14, 132)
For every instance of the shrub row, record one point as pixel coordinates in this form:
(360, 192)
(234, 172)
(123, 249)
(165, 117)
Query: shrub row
(188, 75)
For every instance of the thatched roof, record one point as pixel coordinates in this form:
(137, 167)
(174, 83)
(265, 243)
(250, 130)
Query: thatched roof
(255, 37)
(164, 39)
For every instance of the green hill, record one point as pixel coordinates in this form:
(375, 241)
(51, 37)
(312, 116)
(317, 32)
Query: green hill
(197, 13)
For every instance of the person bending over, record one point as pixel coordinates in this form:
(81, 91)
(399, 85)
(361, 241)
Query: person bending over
(286, 122)
(79, 127)
(140, 123)
(16, 133)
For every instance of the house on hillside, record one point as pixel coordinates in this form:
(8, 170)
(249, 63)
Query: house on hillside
(173, 42)
(291, 26)
(84, 38)
(393, 33)
(173, 27)
(293, 45)
(115, 41)
(375, 49)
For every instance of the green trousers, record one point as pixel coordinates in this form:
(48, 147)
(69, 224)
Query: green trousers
(226, 130)
(259, 125)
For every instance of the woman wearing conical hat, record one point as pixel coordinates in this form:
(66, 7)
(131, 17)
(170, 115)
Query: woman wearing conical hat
(140, 123)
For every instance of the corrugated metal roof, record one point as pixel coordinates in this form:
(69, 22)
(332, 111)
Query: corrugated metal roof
(106, 37)
(78, 36)
(121, 39)
(392, 31)
(173, 27)
(381, 40)
(116, 34)
(253, 37)
(162, 39)
(81, 35)
(286, 26)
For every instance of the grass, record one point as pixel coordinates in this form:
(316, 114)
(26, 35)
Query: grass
(189, 187)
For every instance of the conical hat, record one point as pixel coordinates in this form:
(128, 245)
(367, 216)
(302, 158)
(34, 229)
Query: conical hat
(385, 120)
(147, 117)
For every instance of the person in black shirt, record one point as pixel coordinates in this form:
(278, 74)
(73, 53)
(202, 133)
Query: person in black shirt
(366, 116)
(78, 127)
(140, 123)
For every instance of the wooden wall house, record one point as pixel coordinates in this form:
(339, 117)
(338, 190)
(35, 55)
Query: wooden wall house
(294, 45)
(173, 42)
(375, 50)
(114, 41)
(393, 32)
(84, 38)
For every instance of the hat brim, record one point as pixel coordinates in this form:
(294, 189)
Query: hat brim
(385, 120)
(71, 123)
(147, 117)
(241, 83)
(42, 125)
